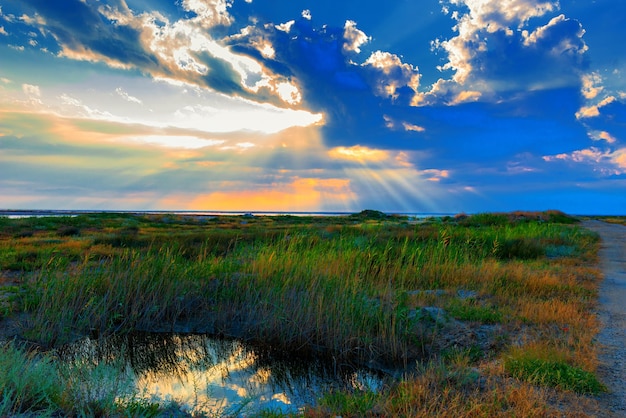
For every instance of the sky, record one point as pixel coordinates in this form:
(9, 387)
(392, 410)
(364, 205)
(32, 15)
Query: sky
(293, 105)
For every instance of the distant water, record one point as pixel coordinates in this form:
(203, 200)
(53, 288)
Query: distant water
(42, 213)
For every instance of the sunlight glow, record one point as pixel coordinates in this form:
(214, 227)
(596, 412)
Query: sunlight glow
(303, 194)
(358, 153)
(187, 142)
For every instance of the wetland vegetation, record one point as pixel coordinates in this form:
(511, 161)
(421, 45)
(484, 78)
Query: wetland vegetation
(481, 315)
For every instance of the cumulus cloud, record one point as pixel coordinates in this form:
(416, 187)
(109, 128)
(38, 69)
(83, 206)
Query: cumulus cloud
(209, 13)
(498, 49)
(591, 85)
(285, 27)
(354, 38)
(183, 49)
(397, 75)
(496, 15)
(3, 31)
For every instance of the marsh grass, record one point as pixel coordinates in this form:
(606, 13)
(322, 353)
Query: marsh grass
(33, 384)
(550, 367)
(350, 288)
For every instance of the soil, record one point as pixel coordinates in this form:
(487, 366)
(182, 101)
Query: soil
(612, 314)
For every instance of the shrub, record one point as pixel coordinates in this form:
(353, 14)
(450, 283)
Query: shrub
(68, 231)
(518, 248)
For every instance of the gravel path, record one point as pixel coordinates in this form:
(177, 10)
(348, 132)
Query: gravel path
(612, 313)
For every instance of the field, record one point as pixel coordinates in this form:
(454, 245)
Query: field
(482, 315)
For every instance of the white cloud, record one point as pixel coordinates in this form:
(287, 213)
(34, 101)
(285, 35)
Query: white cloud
(81, 110)
(494, 15)
(171, 141)
(619, 159)
(604, 161)
(209, 12)
(31, 90)
(35, 20)
(306, 14)
(466, 97)
(435, 175)
(3, 31)
(602, 136)
(567, 45)
(127, 97)
(289, 93)
(412, 128)
(397, 74)
(484, 16)
(183, 50)
(354, 38)
(253, 117)
(594, 110)
(591, 85)
(285, 27)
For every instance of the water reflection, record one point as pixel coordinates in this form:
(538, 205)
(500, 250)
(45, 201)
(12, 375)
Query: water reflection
(216, 376)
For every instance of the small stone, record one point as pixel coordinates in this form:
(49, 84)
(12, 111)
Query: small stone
(467, 294)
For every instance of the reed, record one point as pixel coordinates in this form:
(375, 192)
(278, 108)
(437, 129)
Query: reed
(357, 289)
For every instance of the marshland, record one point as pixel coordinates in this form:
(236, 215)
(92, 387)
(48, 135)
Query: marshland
(484, 315)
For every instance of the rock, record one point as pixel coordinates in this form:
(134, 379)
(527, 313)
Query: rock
(466, 294)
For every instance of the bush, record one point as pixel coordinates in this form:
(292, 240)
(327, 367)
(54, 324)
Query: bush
(518, 248)
(68, 231)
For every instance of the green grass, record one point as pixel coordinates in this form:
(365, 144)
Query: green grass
(553, 372)
(34, 384)
(351, 288)
(470, 310)
(28, 384)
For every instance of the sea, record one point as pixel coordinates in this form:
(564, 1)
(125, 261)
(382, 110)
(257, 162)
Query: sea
(28, 213)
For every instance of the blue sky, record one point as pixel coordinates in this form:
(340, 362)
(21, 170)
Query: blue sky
(294, 105)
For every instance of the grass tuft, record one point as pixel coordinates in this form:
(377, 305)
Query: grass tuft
(550, 368)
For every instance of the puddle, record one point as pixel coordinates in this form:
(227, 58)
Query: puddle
(217, 377)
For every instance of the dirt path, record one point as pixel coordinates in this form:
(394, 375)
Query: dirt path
(612, 313)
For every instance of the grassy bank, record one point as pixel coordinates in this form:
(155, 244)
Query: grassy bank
(486, 314)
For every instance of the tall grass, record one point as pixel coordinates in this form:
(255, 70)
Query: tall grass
(132, 291)
(344, 293)
(353, 289)
(33, 384)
